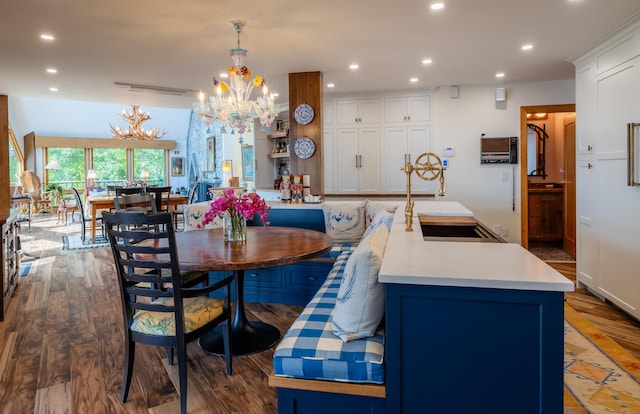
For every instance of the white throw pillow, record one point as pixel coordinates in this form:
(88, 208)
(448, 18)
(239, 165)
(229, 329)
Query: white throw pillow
(383, 217)
(359, 305)
(372, 208)
(344, 222)
(194, 214)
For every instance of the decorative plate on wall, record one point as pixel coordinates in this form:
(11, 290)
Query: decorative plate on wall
(303, 114)
(304, 148)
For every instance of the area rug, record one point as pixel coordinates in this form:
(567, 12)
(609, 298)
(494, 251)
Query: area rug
(73, 242)
(25, 268)
(599, 375)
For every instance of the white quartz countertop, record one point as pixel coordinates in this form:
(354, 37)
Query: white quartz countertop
(408, 259)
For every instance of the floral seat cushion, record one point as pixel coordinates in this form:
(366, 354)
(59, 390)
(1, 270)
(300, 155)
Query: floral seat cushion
(197, 312)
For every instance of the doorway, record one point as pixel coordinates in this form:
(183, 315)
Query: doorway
(567, 189)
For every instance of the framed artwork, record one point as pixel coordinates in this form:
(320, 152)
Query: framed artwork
(247, 163)
(177, 166)
(211, 153)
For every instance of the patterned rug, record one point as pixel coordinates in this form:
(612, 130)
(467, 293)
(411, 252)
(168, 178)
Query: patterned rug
(73, 242)
(599, 375)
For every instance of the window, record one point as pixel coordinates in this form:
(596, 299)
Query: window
(110, 165)
(71, 161)
(151, 160)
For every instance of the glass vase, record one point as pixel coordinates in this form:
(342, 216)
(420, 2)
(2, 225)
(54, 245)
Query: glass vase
(234, 227)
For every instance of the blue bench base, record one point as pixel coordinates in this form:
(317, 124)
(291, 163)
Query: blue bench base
(294, 401)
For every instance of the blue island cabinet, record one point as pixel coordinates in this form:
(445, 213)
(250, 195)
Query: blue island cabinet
(473, 350)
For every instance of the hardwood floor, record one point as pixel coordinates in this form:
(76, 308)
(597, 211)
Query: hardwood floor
(61, 344)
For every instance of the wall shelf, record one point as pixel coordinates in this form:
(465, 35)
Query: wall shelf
(279, 155)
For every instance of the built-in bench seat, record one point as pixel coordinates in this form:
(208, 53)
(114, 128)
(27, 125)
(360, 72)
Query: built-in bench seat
(314, 370)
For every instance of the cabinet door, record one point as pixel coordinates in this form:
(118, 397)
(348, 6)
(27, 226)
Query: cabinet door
(347, 152)
(369, 162)
(399, 141)
(347, 112)
(369, 111)
(586, 107)
(586, 229)
(406, 109)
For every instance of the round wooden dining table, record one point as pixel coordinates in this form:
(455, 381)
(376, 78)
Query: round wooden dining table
(265, 247)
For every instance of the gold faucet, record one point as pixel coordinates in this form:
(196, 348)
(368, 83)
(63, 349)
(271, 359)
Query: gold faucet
(427, 170)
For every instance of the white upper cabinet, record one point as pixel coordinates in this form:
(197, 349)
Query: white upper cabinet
(407, 109)
(357, 111)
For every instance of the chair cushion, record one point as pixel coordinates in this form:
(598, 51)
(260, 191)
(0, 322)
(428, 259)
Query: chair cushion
(197, 312)
(360, 302)
(310, 349)
(344, 221)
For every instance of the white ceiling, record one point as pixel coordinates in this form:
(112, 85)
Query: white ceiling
(183, 44)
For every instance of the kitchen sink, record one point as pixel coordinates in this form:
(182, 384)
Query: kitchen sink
(467, 230)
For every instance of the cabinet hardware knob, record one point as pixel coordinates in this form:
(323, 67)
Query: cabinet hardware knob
(254, 275)
(313, 278)
(589, 148)
(589, 166)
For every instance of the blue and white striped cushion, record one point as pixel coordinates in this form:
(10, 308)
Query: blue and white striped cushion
(311, 350)
(339, 247)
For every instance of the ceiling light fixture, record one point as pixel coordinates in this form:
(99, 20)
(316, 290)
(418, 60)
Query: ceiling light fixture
(353, 66)
(331, 85)
(499, 75)
(136, 118)
(46, 36)
(437, 6)
(231, 105)
(53, 89)
(413, 80)
(52, 70)
(426, 61)
(527, 47)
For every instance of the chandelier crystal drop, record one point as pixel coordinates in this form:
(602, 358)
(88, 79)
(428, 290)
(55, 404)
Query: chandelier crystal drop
(231, 104)
(136, 118)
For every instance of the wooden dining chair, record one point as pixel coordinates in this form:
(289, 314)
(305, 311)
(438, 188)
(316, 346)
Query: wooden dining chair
(158, 308)
(64, 207)
(144, 203)
(85, 219)
(162, 194)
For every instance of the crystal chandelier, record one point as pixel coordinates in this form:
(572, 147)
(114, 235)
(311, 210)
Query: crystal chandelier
(231, 104)
(136, 118)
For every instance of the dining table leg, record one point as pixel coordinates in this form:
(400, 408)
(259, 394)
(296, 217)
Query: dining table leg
(247, 337)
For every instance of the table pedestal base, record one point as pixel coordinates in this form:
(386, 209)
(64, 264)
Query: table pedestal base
(248, 338)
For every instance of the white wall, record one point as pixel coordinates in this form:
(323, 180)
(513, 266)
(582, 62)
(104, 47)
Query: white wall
(459, 123)
(51, 117)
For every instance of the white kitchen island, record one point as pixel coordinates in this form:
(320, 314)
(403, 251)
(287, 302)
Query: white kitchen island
(470, 326)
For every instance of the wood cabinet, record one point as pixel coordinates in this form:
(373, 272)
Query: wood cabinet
(10, 257)
(546, 219)
(358, 160)
(403, 109)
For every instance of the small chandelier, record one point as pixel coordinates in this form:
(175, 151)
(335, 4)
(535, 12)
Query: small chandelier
(136, 118)
(231, 105)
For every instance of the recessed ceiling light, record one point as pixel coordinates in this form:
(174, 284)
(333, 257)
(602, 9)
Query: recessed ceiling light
(52, 70)
(437, 6)
(500, 75)
(527, 47)
(46, 36)
(224, 75)
(53, 89)
(275, 94)
(427, 61)
(413, 80)
(331, 85)
(353, 66)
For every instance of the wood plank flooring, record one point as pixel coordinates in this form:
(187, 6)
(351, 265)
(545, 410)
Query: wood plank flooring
(61, 344)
